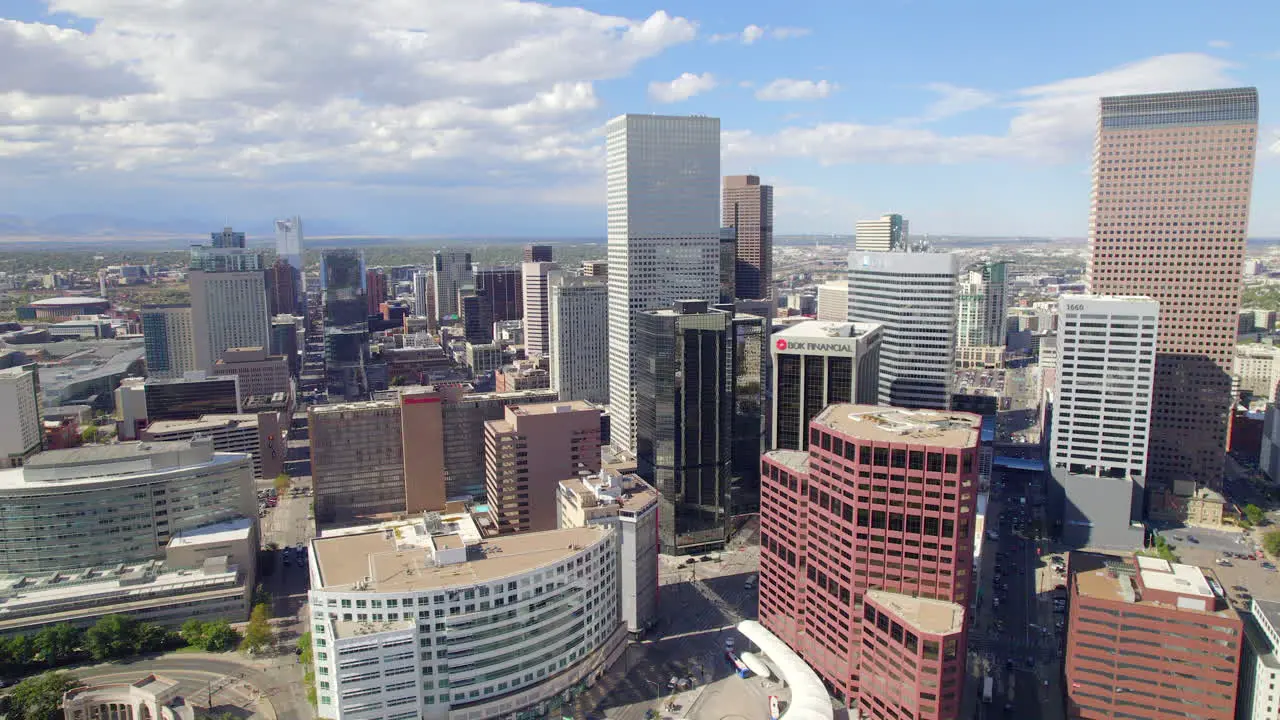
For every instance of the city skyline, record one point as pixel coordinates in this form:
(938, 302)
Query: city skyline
(1001, 137)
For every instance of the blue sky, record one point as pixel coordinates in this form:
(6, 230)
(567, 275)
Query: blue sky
(483, 118)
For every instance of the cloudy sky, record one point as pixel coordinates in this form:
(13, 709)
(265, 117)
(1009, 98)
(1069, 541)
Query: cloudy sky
(483, 117)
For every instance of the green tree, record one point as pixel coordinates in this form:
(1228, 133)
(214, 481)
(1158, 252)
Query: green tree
(113, 636)
(220, 636)
(88, 434)
(257, 635)
(193, 633)
(150, 637)
(21, 650)
(1271, 542)
(1254, 514)
(397, 381)
(56, 643)
(281, 483)
(38, 698)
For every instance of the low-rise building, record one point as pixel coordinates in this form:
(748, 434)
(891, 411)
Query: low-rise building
(1260, 666)
(259, 373)
(151, 698)
(260, 435)
(425, 619)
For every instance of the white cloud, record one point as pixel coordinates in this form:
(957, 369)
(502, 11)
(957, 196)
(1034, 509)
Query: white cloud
(786, 33)
(953, 100)
(682, 88)
(356, 91)
(754, 33)
(1053, 122)
(789, 89)
(1220, 44)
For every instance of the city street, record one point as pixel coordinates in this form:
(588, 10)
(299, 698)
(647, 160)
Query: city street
(289, 524)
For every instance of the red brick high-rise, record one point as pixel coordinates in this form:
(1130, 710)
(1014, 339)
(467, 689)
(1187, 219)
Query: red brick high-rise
(1172, 177)
(883, 500)
(747, 206)
(375, 286)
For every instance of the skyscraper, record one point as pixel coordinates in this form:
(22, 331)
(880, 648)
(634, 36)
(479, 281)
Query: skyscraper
(21, 433)
(228, 238)
(289, 243)
(728, 264)
(833, 301)
(228, 309)
(375, 288)
(424, 299)
(283, 288)
(749, 433)
(452, 271)
(346, 323)
(982, 302)
(536, 324)
(537, 253)
(1101, 417)
(168, 338)
(684, 418)
(579, 337)
(913, 296)
(816, 364)
(503, 288)
(888, 234)
(747, 206)
(663, 177)
(1172, 179)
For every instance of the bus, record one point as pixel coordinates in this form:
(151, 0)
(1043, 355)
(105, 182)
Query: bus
(739, 666)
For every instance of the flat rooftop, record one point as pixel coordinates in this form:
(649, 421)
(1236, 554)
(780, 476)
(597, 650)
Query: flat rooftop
(1269, 609)
(392, 564)
(939, 428)
(937, 617)
(814, 329)
(797, 460)
(205, 422)
(228, 531)
(632, 492)
(551, 408)
(1115, 578)
(353, 407)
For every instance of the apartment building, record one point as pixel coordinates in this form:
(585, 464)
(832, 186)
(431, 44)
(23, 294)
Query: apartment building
(22, 433)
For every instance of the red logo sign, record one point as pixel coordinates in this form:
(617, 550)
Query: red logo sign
(781, 344)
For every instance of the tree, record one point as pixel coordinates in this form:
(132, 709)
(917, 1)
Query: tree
(1254, 514)
(1271, 542)
(113, 636)
(397, 381)
(219, 636)
(193, 633)
(88, 434)
(38, 698)
(281, 483)
(21, 650)
(56, 643)
(150, 637)
(257, 635)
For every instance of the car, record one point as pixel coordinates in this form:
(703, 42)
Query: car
(1192, 539)
(1239, 588)
(728, 644)
(1268, 566)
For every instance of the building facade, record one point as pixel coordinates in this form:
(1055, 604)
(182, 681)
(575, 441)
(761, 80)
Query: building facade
(503, 286)
(684, 419)
(747, 207)
(228, 309)
(465, 413)
(228, 238)
(663, 178)
(833, 301)
(1101, 418)
(169, 339)
(451, 272)
(190, 397)
(536, 307)
(913, 297)
(289, 243)
(888, 234)
(1259, 664)
(913, 659)
(1257, 370)
(830, 534)
(259, 373)
(537, 253)
(578, 337)
(258, 435)
(982, 302)
(22, 433)
(1178, 136)
(815, 364)
(1148, 639)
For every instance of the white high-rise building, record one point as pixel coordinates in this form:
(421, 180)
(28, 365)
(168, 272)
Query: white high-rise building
(887, 234)
(289, 241)
(663, 177)
(913, 295)
(579, 336)
(21, 433)
(1101, 416)
(168, 336)
(228, 310)
(451, 271)
(534, 296)
(982, 305)
(424, 297)
(833, 301)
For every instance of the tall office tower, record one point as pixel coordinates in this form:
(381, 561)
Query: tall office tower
(536, 324)
(424, 297)
(664, 236)
(465, 413)
(816, 364)
(289, 242)
(595, 268)
(225, 259)
(477, 315)
(452, 271)
(579, 337)
(528, 452)
(168, 337)
(888, 234)
(285, 330)
(982, 302)
(375, 284)
(684, 420)
(22, 431)
(1172, 178)
(913, 296)
(749, 435)
(343, 289)
(228, 238)
(728, 263)
(833, 301)
(283, 288)
(228, 309)
(1101, 418)
(747, 206)
(537, 253)
(503, 287)
(828, 541)
(1177, 630)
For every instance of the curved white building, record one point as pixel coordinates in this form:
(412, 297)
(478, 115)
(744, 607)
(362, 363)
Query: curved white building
(424, 619)
(102, 505)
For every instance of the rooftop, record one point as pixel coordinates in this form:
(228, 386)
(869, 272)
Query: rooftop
(812, 329)
(551, 408)
(205, 422)
(1118, 578)
(629, 492)
(353, 407)
(227, 531)
(938, 428)
(797, 460)
(937, 617)
(101, 463)
(386, 560)
(68, 300)
(1269, 610)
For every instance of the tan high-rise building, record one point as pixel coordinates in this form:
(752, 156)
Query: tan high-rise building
(528, 453)
(1172, 176)
(747, 206)
(422, 443)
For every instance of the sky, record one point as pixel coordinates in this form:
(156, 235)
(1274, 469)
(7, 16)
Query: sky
(485, 117)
